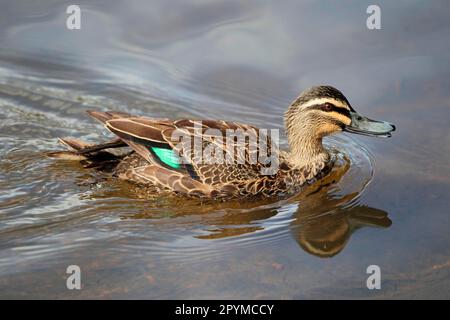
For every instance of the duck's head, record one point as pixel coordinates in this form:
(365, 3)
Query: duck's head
(324, 110)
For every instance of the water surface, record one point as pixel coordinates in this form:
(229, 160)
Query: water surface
(387, 203)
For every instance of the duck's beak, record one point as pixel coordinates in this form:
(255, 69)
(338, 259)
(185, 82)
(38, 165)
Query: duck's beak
(369, 127)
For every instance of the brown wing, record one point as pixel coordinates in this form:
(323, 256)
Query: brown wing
(201, 144)
(108, 115)
(125, 126)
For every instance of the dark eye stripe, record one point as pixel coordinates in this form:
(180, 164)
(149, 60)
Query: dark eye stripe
(342, 111)
(339, 110)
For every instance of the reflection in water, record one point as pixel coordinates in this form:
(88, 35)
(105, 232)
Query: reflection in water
(325, 222)
(325, 234)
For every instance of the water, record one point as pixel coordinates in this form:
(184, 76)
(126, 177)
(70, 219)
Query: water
(234, 60)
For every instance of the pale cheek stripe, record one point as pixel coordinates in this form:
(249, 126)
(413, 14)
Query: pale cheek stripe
(325, 100)
(345, 120)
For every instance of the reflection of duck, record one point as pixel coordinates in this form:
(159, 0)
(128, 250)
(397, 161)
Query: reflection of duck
(324, 222)
(325, 233)
(156, 161)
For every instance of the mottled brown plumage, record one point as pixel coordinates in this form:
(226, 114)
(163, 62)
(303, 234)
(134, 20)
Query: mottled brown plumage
(317, 112)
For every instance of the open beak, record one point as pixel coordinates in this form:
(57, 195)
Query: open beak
(368, 127)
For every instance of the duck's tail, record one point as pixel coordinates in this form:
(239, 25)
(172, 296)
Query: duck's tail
(74, 145)
(89, 155)
(92, 155)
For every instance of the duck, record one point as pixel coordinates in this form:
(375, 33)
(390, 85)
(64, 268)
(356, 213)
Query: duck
(166, 155)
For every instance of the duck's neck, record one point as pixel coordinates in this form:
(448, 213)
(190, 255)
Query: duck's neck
(306, 150)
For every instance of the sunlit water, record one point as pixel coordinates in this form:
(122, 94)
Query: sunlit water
(228, 60)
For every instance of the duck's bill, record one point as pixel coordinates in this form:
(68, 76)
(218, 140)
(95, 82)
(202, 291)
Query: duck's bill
(368, 127)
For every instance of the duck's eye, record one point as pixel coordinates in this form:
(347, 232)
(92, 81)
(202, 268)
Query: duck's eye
(327, 107)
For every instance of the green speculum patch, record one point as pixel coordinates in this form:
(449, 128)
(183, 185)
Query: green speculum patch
(168, 157)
